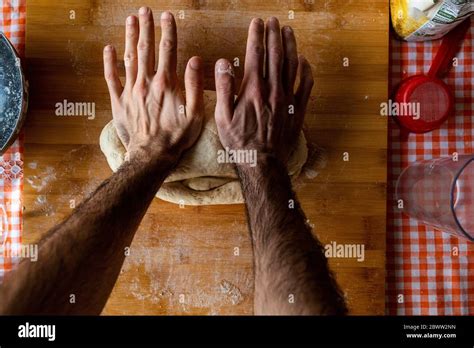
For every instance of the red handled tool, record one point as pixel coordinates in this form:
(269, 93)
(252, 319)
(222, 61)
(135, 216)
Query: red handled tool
(432, 95)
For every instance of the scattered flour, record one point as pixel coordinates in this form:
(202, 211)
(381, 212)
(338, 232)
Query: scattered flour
(41, 180)
(233, 292)
(157, 275)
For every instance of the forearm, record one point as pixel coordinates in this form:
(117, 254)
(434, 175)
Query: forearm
(81, 258)
(291, 272)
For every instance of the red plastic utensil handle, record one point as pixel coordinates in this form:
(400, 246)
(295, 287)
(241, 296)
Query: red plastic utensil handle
(448, 49)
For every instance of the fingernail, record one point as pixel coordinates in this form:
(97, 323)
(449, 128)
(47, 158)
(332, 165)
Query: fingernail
(273, 24)
(195, 63)
(288, 30)
(225, 68)
(143, 10)
(109, 48)
(130, 20)
(258, 21)
(166, 15)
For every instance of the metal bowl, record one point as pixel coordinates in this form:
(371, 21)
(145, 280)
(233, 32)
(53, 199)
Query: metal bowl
(13, 94)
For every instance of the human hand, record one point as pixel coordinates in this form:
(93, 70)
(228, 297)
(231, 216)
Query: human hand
(267, 115)
(150, 112)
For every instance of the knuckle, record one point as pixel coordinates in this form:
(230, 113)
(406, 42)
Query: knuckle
(194, 83)
(276, 52)
(292, 61)
(109, 76)
(168, 45)
(256, 49)
(161, 82)
(144, 45)
(131, 34)
(130, 56)
(223, 88)
(140, 89)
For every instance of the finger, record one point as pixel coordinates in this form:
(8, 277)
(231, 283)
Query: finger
(304, 89)
(130, 57)
(255, 53)
(225, 91)
(274, 61)
(290, 62)
(146, 43)
(194, 84)
(168, 47)
(111, 73)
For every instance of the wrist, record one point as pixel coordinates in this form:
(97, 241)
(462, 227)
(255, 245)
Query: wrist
(267, 184)
(263, 162)
(268, 171)
(148, 155)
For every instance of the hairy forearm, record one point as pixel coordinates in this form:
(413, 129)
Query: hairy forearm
(291, 272)
(80, 259)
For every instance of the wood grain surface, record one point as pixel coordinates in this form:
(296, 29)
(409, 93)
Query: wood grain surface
(183, 260)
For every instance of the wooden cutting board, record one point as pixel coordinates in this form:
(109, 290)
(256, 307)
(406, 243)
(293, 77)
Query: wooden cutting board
(198, 260)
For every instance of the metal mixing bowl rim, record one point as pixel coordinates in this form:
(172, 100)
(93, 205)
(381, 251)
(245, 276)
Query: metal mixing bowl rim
(24, 107)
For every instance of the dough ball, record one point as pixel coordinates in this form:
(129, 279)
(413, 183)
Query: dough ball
(199, 179)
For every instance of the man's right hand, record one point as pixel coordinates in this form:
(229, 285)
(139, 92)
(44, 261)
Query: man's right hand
(291, 272)
(267, 115)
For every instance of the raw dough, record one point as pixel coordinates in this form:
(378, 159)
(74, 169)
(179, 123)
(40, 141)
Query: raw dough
(199, 179)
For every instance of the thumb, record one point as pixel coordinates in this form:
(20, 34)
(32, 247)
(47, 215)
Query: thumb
(225, 91)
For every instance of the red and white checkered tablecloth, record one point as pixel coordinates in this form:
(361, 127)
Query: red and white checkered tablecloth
(429, 272)
(12, 24)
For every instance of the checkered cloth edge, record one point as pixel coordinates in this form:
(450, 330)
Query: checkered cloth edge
(12, 24)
